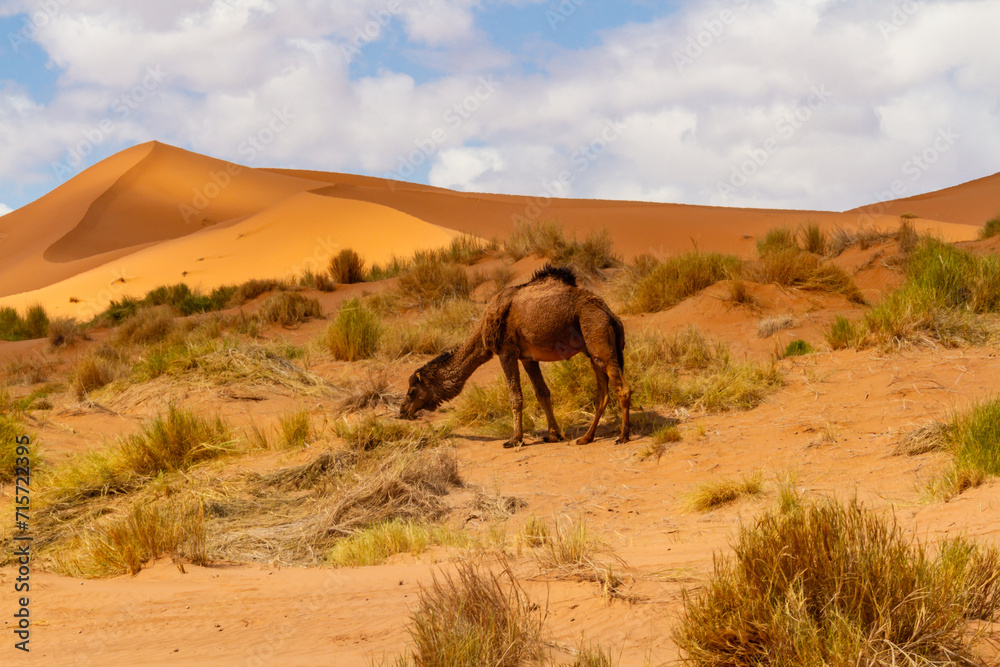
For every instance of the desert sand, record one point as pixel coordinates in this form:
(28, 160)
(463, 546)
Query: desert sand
(121, 228)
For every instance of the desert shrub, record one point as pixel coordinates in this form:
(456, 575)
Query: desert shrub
(945, 293)
(33, 324)
(812, 238)
(319, 281)
(547, 239)
(476, 617)
(289, 309)
(990, 228)
(711, 495)
(355, 332)
(777, 239)
(835, 584)
(843, 334)
(395, 266)
(144, 533)
(433, 283)
(169, 443)
(91, 372)
(181, 297)
(791, 267)
(769, 326)
(65, 332)
(373, 545)
(741, 293)
(438, 329)
(653, 289)
(797, 348)
(347, 267)
(253, 288)
(146, 326)
(295, 429)
(373, 432)
(373, 389)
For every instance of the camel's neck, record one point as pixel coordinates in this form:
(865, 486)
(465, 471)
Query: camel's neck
(465, 360)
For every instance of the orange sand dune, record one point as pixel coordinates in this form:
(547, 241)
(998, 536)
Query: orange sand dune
(971, 203)
(156, 214)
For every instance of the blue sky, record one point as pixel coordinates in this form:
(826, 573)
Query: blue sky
(808, 104)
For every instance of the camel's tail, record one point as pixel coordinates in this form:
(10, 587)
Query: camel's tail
(619, 341)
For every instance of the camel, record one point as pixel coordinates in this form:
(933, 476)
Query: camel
(549, 318)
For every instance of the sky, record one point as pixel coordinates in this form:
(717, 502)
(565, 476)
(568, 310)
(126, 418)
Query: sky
(818, 104)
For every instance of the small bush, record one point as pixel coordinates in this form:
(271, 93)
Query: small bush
(990, 228)
(146, 326)
(711, 495)
(33, 324)
(373, 432)
(547, 239)
(295, 429)
(769, 326)
(843, 334)
(355, 333)
(373, 545)
(347, 267)
(92, 372)
(253, 288)
(671, 281)
(777, 239)
(65, 332)
(812, 238)
(837, 584)
(798, 348)
(740, 293)
(433, 283)
(289, 309)
(145, 533)
(791, 267)
(476, 617)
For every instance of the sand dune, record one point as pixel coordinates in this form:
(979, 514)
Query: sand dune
(156, 214)
(971, 203)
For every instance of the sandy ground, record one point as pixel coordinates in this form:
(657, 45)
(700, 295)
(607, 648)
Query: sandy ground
(833, 425)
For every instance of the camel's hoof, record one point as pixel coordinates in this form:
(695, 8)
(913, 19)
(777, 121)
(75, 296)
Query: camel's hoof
(622, 440)
(582, 441)
(511, 444)
(554, 437)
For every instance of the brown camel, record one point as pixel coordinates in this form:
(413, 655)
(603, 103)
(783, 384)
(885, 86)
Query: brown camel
(548, 318)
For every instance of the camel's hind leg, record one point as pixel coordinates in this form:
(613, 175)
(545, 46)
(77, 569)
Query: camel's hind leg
(620, 384)
(544, 398)
(601, 401)
(510, 370)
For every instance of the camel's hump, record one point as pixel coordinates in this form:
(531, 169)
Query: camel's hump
(561, 273)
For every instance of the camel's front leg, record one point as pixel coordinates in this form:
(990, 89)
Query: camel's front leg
(510, 370)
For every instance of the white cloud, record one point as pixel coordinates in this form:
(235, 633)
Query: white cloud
(4, 209)
(825, 102)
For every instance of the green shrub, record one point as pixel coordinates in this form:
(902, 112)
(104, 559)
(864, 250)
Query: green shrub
(347, 267)
(991, 228)
(812, 238)
(355, 333)
(289, 309)
(838, 585)
(777, 239)
(798, 348)
(669, 282)
(433, 283)
(33, 324)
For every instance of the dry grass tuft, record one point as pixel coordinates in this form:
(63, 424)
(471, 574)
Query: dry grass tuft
(356, 333)
(374, 431)
(476, 617)
(295, 429)
(930, 437)
(347, 267)
(836, 584)
(712, 495)
(373, 389)
(433, 283)
(791, 267)
(648, 286)
(93, 371)
(289, 309)
(769, 326)
(65, 332)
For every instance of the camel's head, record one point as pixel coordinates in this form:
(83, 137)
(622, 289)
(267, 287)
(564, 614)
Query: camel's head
(425, 390)
(418, 397)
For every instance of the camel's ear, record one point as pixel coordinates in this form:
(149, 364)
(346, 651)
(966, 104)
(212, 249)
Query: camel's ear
(419, 379)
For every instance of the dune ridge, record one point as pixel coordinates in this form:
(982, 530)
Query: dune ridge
(155, 214)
